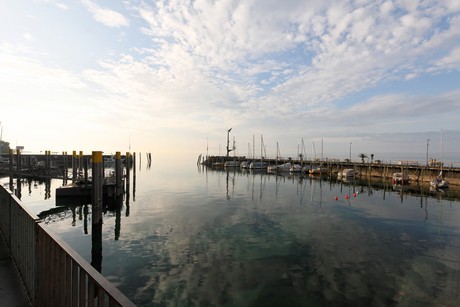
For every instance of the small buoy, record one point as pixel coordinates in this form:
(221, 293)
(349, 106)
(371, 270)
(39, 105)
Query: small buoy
(354, 194)
(346, 196)
(336, 198)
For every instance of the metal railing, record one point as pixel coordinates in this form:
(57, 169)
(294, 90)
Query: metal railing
(53, 274)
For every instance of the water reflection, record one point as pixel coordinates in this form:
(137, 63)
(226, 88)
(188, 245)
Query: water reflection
(231, 237)
(367, 185)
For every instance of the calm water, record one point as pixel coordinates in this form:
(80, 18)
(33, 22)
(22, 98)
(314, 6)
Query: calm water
(188, 236)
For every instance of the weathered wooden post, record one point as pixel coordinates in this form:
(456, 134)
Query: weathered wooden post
(80, 162)
(96, 217)
(85, 164)
(127, 164)
(134, 166)
(118, 174)
(97, 183)
(65, 173)
(74, 166)
(127, 178)
(48, 162)
(134, 176)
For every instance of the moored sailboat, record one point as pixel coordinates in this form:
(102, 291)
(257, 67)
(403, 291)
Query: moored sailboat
(439, 182)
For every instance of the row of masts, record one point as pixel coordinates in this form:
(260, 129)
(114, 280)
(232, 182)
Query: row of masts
(301, 151)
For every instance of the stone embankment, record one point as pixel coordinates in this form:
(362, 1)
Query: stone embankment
(417, 173)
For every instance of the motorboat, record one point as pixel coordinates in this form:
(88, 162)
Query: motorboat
(317, 170)
(400, 178)
(348, 172)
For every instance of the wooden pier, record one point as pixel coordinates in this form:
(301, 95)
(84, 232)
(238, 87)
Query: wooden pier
(49, 165)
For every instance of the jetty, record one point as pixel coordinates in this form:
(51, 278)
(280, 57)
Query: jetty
(417, 172)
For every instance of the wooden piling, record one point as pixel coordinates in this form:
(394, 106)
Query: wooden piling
(127, 165)
(118, 174)
(97, 185)
(64, 167)
(134, 165)
(80, 162)
(134, 176)
(74, 166)
(85, 164)
(96, 221)
(47, 162)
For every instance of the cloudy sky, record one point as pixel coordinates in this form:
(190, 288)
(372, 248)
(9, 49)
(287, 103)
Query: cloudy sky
(174, 76)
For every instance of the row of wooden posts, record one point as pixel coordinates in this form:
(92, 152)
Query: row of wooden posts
(41, 165)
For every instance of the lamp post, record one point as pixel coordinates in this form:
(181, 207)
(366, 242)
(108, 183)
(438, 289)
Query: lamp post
(1, 135)
(350, 153)
(427, 143)
(228, 135)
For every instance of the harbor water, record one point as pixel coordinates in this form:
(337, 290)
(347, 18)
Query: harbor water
(186, 235)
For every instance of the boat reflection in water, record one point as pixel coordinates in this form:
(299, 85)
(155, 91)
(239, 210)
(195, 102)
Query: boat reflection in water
(247, 237)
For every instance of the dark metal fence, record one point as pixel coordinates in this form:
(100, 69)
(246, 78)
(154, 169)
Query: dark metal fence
(52, 272)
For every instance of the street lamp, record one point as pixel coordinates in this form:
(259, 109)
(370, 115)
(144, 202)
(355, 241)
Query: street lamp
(228, 134)
(427, 143)
(350, 152)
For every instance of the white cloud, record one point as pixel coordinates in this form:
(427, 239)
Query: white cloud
(105, 16)
(28, 36)
(450, 61)
(59, 4)
(274, 66)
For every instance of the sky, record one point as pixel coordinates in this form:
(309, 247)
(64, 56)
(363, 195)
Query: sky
(172, 77)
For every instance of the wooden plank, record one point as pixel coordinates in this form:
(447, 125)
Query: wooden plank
(68, 285)
(91, 293)
(62, 277)
(82, 288)
(75, 279)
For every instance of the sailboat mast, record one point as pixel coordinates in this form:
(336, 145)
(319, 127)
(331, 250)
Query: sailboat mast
(321, 150)
(442, 148)
(253, 148)
(261, 147)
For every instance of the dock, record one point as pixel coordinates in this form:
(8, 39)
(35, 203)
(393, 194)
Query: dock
(415, 171)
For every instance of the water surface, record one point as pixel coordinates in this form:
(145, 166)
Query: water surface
(191, 236)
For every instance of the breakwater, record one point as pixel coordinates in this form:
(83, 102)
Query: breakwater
(415, 171)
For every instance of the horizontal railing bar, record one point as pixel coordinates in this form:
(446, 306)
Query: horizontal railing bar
(52, 272)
